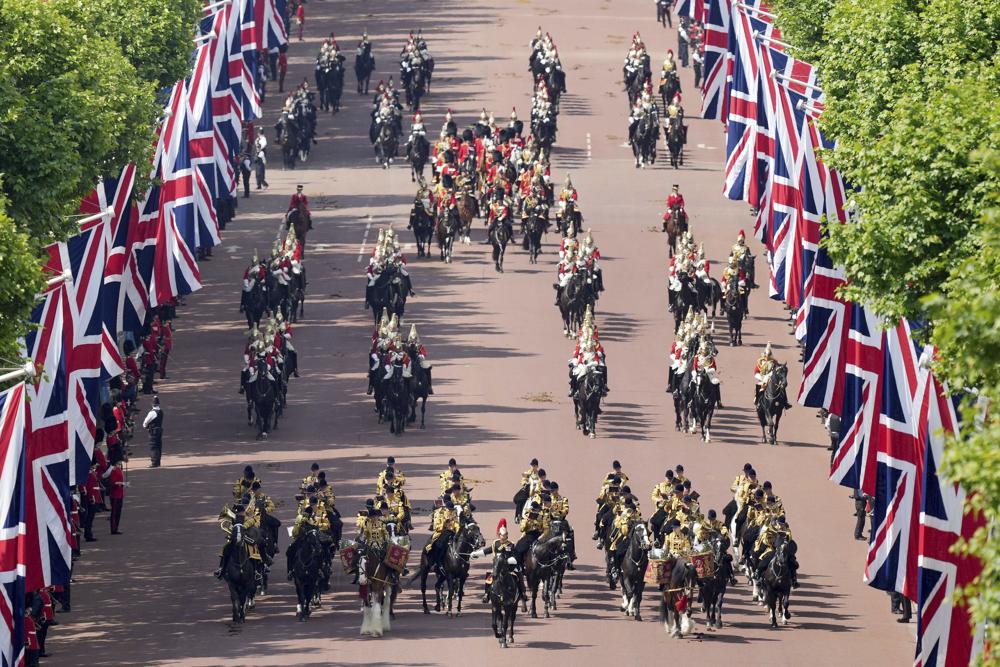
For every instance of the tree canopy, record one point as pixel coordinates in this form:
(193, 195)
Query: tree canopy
(78, 99)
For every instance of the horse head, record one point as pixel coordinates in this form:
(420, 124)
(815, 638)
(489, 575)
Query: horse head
(640, 536)
(471, 536)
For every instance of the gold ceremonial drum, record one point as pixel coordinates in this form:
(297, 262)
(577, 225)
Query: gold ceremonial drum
(658, 571)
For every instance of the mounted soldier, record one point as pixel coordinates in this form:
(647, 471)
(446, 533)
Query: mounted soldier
(503, 548)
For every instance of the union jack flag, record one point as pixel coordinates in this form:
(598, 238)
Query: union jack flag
(823, 332)
(124, 298)
(243, 47)
(88, 345)
(175, 271)
(46, 549)
(12, 410)
(744, 96)
(89, 254)
(693, 9)
(201, 129)
(853, 463)
(269, 18)
(716, 56)
(899, 440)
(944, 630)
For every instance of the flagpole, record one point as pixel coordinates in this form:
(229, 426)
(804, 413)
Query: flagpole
(26, 371)
(204, 38)
(757, 35)
(105, 214)
(217, 5)
(800, 82)
(756, 10)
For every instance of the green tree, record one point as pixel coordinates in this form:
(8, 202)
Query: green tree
(22, 279)
(154, 36)
(71, 108)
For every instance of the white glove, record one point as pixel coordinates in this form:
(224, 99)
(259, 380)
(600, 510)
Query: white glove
(479, 553)
(511, 561)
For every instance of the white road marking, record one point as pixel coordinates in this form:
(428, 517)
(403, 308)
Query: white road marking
(364, 239)
(589, 152)
(232, 249)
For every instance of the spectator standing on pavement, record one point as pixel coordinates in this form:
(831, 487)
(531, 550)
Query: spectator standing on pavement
(154, 424)
(682, 40)
(260, 161)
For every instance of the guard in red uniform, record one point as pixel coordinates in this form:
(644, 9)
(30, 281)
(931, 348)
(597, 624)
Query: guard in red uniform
(116, 491)
(166, 344)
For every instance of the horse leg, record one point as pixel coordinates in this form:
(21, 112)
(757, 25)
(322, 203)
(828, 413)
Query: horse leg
(534, 598)
(423, 587)
(423, 410)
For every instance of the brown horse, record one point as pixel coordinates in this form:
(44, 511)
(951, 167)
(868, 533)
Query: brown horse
(299, 219)
(466, 213)
(675, 223)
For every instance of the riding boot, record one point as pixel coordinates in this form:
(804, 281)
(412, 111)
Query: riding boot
(430, 383)
(486, 593)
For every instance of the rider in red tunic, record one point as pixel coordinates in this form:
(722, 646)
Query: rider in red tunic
(675, 197)
(297, 198)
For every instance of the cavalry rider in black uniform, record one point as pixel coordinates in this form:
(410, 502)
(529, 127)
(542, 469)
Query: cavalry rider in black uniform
(502, 547)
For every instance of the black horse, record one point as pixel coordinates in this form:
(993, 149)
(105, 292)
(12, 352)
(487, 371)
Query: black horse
(771, 402)
(262, 393)
(704, 402)
(254, 304)
(669, 86)
(590, 390)
(239, 574)
(416, 88)
(396, 400)
(389, 294)
(386, 145)
(541, 568)
(330, 83)
(647, 133)
(499, 237)
(777, 580)
(423, 227)
(454, 569)
(713, 586)
(503, 598)
(572, 300)
(732, 305)
(683, 299)
(448, 224)
(364, 65)
(633, 569)
(311, 551)
(416, 154)
(534, 227)
(420, 386)
(682, 390)
(288, 131)
(675, 141)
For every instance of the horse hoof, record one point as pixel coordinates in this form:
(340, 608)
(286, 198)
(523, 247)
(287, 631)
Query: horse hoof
(534, 614)
(638, 616)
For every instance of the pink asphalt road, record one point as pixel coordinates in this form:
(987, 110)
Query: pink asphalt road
(148, 596)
